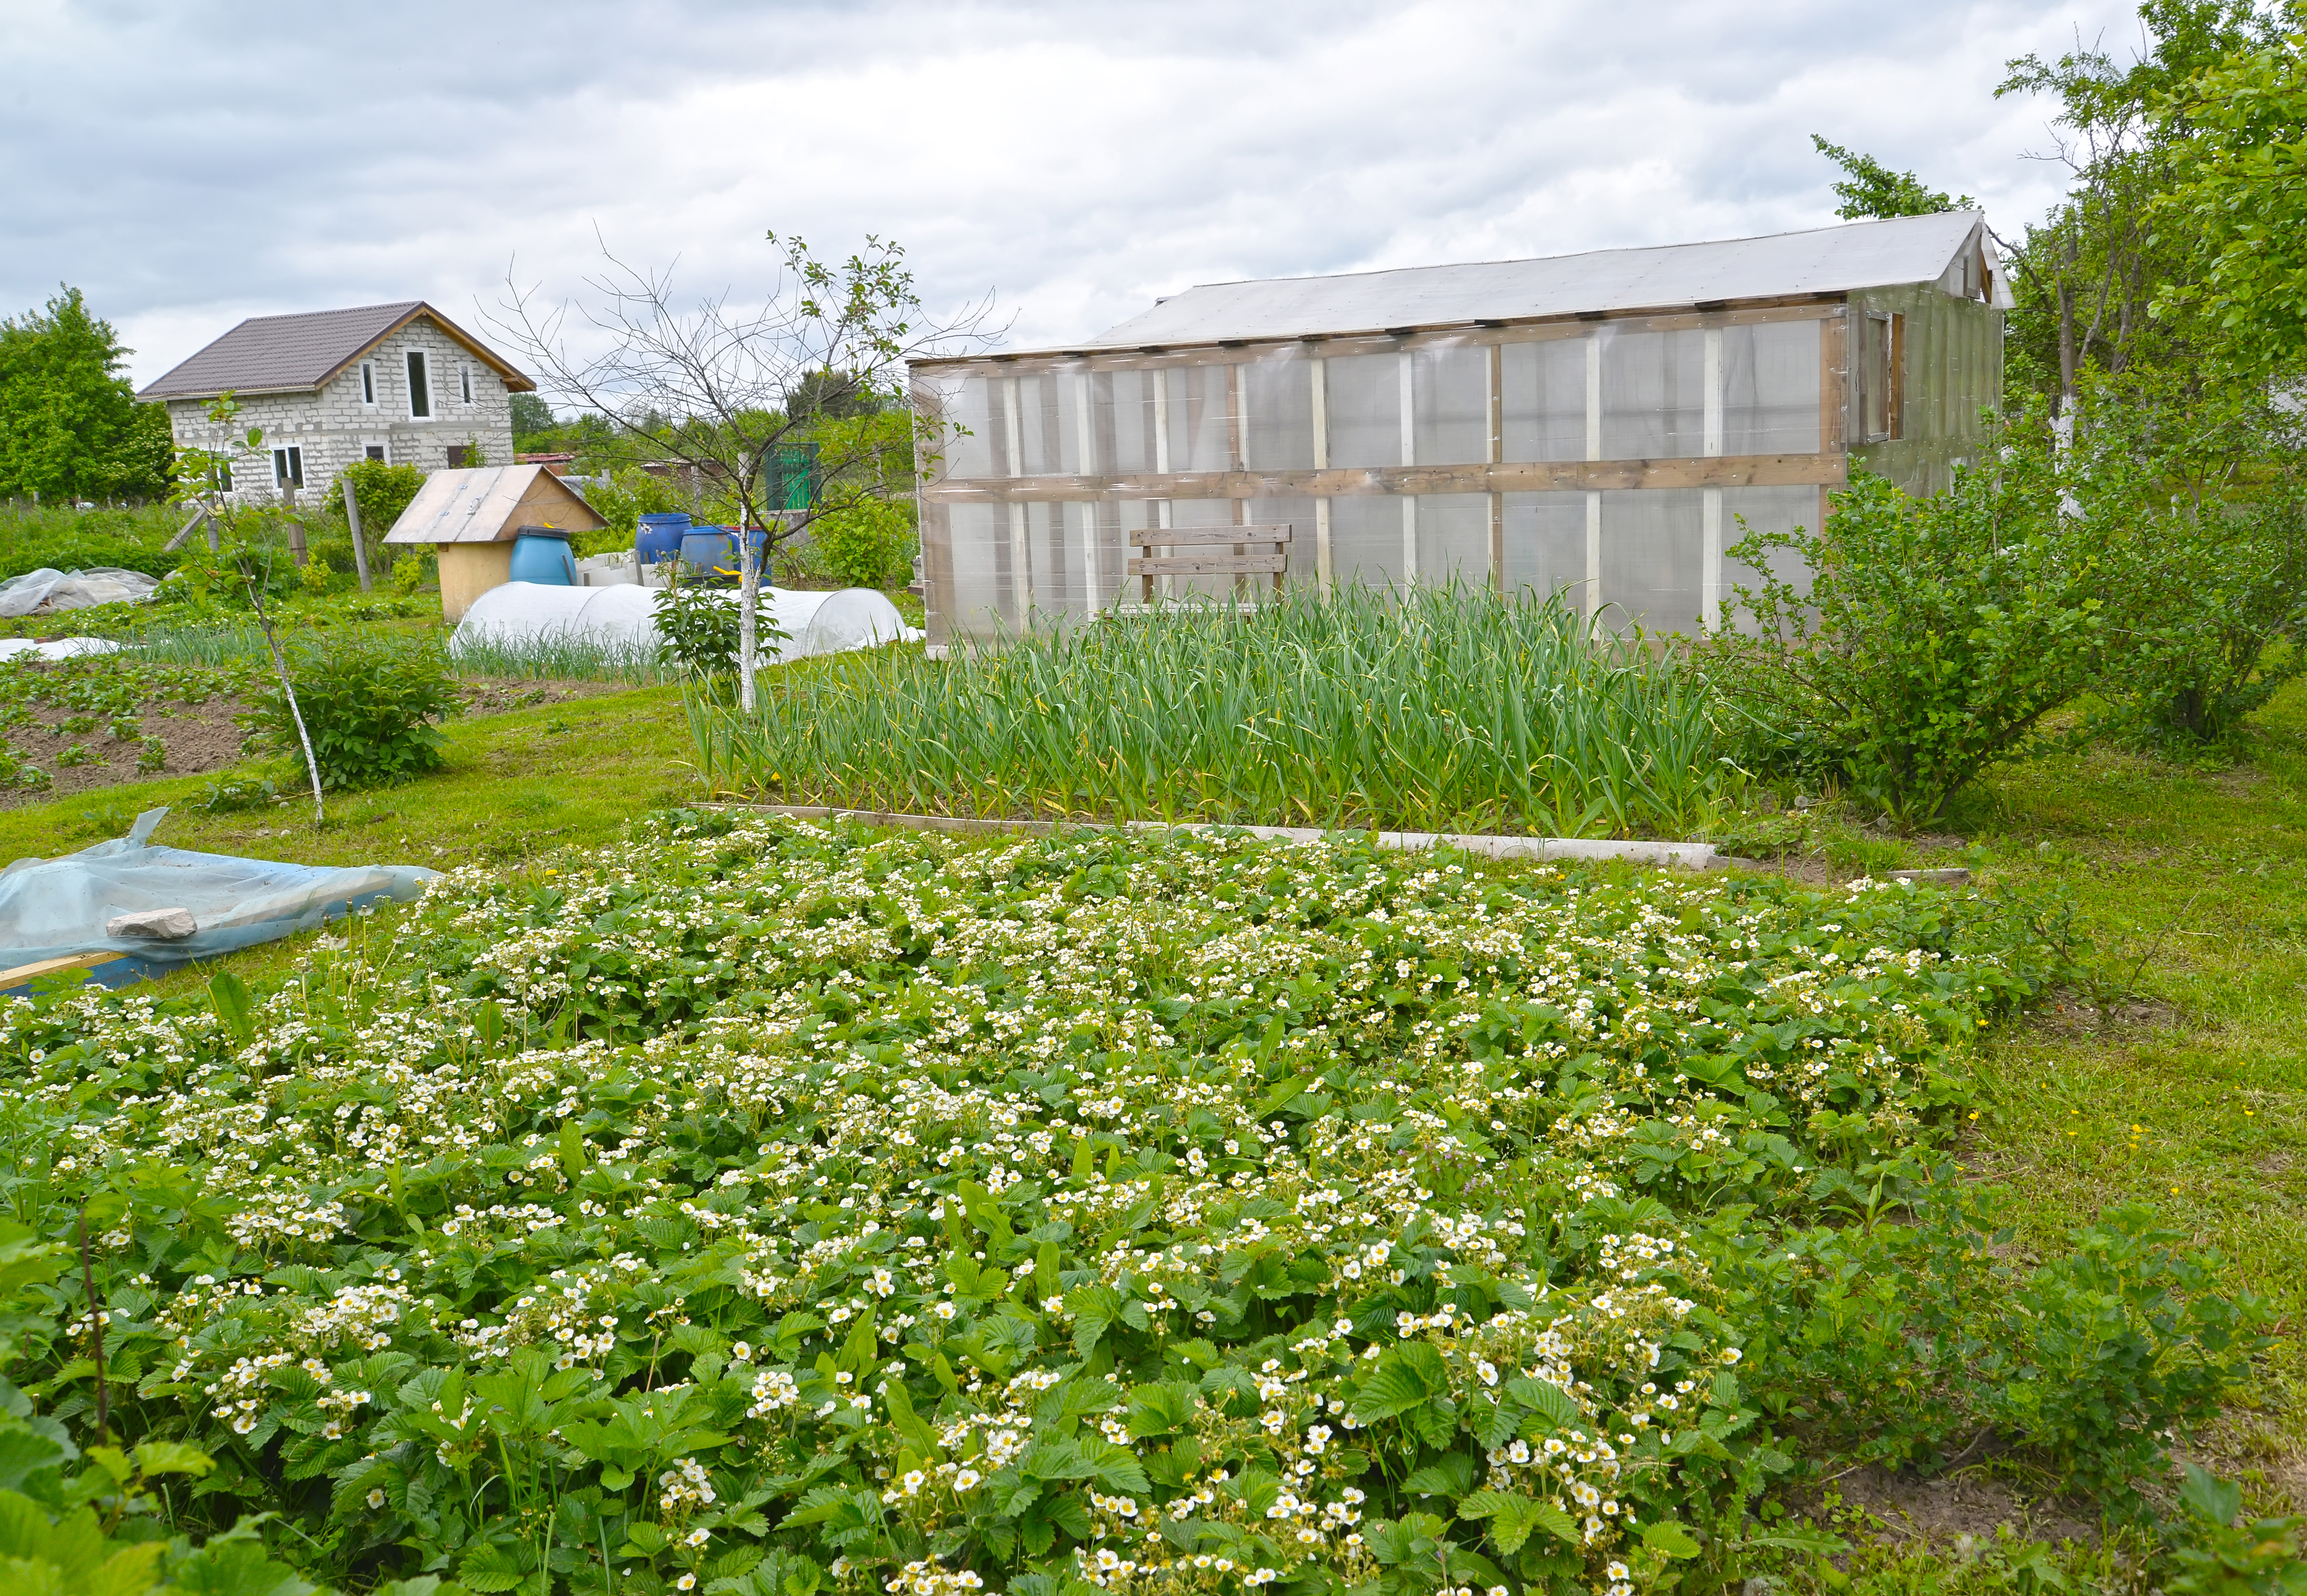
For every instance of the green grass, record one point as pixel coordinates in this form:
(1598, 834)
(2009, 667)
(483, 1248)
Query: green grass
(1441, 709)
(2190, 1092)
(517, 785)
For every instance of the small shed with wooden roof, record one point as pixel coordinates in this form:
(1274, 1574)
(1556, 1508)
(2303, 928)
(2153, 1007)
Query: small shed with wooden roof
(471, 518)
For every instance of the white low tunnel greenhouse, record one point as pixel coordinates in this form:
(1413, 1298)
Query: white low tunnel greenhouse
(533, 615)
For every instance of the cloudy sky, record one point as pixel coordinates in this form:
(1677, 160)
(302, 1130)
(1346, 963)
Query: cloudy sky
(189, 163)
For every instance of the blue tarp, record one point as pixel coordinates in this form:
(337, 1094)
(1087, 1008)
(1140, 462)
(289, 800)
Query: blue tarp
(57, 908)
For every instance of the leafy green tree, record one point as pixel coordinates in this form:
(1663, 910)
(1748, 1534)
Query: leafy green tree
(531, 414)
(70, 425)
(2239, 200)
(1870, 188)
(2089, 277)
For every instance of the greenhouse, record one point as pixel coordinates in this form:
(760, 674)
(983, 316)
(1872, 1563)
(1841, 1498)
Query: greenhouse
(1603, 425)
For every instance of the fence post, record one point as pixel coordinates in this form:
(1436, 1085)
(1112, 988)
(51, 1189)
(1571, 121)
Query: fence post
(352, 519)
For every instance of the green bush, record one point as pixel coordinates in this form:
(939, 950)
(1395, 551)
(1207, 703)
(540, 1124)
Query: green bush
(2215, 579)
(369, 706)
(868, 544)
(381, 491)
(62, 539)
(1935, 635)
(2084, 1362)
(699, 627)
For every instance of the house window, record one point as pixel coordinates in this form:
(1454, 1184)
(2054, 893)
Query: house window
(288, 467)
(420, 388)
(1883, 376)
(460, 455)
(368, 383)
(220, 477)
(375, 452)
(465, 382)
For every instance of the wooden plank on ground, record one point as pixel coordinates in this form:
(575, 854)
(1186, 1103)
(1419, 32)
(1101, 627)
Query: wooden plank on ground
(52, 966)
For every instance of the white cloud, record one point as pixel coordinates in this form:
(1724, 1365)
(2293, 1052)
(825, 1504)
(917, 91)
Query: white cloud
(191, 164)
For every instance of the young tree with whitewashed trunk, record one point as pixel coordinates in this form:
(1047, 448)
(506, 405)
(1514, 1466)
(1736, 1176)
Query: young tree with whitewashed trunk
(725, 392)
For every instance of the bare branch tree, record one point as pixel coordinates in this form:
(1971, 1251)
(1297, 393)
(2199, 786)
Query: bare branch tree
(727, 390)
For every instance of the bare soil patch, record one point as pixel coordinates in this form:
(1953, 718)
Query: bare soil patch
(204, 739)
(1941, 1509)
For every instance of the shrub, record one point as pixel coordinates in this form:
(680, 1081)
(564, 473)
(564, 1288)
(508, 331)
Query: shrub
(1936, 634)
(383, 492)
(2084, 1362)
(868, 544)
(369, 704)
(700, 629)
(63, 539)
(2217, 571)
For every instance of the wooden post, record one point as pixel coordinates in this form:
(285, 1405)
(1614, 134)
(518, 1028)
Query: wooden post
(200, 514)
(352, 519)
(297, 550)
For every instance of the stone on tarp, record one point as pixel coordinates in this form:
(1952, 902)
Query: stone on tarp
(166, 925)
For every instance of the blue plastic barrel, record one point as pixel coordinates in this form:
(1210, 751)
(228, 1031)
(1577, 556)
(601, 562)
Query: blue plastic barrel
(542, 554)
(658, 537)
(710, 553)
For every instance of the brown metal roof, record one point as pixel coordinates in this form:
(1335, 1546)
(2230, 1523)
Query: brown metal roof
(292, 354)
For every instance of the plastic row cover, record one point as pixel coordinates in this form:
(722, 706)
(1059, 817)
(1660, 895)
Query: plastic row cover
(519, 614)
(55, 648)
(55, 908)
(46, 591)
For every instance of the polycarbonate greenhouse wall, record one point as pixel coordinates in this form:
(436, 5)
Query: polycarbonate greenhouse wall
(1611, 456)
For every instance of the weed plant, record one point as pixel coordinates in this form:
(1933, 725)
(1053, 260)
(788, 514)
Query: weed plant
(1444, 708)
(806, 1208)
(371, 705)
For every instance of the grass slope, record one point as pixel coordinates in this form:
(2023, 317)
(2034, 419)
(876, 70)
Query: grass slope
(2191, 1092)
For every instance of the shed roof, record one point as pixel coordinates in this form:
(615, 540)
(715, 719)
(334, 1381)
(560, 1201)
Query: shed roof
(295, 353)
(1847, 258)
(490, 504)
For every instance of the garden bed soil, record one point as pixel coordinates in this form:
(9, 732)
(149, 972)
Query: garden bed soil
(1969, 1503)
(203, 739)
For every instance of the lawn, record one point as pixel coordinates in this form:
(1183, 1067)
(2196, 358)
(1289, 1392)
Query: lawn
(2190, 1091)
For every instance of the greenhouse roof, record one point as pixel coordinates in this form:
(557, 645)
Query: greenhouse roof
(1852, 256)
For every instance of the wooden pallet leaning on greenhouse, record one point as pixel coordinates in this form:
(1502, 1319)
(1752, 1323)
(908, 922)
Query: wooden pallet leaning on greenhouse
(1219, 551)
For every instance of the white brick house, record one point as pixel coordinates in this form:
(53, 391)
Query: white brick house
(396, 383)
